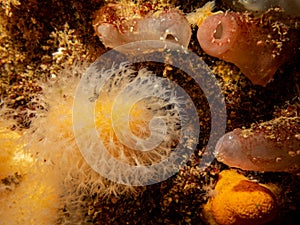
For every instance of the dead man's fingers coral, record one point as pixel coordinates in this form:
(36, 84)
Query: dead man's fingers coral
(13, 158)
(27, 196)
(270, 146)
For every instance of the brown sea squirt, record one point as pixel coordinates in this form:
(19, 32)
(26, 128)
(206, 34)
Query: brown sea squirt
(272, 146)
(257, 49)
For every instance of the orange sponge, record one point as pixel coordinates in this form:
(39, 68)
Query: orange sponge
(240, 201)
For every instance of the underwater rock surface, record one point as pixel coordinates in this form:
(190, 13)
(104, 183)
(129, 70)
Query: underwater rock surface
(44, 48)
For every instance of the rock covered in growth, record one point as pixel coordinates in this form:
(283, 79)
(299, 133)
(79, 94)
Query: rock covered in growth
(290, 7)
(270, 146)
(239, 201)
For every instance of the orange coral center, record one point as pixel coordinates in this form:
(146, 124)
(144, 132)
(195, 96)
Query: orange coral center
(138, 122)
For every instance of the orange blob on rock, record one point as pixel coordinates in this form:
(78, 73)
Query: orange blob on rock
(240, 201)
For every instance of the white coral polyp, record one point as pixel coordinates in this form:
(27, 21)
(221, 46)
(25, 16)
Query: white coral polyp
(120, 154)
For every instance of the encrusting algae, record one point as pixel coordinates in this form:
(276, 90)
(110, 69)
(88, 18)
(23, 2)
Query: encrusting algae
(239, 201)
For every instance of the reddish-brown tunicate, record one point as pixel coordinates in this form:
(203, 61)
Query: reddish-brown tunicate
(269, 146)
(257, 49)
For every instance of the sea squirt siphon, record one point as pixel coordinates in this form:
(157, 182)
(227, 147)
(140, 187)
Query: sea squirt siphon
(270, 146)
(246, 42)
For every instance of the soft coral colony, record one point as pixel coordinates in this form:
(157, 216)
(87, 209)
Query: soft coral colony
(25, 189)
(53, 182)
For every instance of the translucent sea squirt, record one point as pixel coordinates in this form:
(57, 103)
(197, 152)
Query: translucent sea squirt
(120, 24)
(242, 40)
(270, 146)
